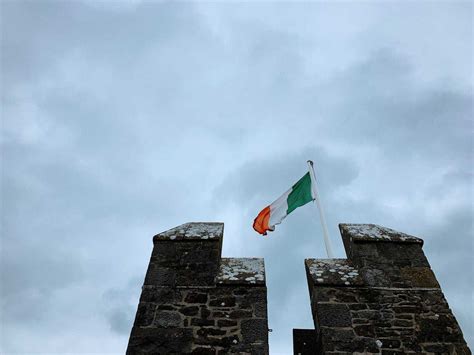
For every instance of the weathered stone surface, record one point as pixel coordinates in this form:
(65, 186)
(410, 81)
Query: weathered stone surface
(228, 301)
(196, 297)
(189, 310)
(145, 314)
(160, 276)
(419, 277)
(333, 315)
(333, 272)
(396, 305)
(160, 341)
(226, 323)
(254, 330)
(260, 308)
(304, 341)
(204, 332)
(375, 233)
(203, 322)
(241, 271)
(204, 351)
(184, 310)
(155, 294)
(192, 231)
(240, 314)
(168, 319)
(188, 255)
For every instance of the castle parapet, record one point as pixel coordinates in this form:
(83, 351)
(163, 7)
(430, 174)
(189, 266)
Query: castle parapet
(384, 298)
(194, 301)
(387, 258)
(188, 255)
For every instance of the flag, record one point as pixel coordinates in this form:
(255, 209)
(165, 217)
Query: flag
(299, 195)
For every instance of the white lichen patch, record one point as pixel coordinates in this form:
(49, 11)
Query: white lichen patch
(249, 270)
(204, 229)
(201, 230)
(375, 232)
(333, 271)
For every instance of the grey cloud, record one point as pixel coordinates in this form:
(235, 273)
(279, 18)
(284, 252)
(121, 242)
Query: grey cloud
(120, 306)
(378, 102)
(31, 277)
(118, 123)
(260, 178)
(37, 34)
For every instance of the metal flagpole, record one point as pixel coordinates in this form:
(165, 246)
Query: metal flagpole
(327, 242)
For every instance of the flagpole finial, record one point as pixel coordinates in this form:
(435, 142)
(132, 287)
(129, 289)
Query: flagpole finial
(310, 162)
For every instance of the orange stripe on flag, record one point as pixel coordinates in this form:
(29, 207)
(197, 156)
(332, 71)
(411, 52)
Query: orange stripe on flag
(260, 224)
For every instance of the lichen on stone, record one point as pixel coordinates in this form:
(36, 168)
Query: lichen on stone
(333, 272)
(193, 230)
(373, 232)
(241, 270)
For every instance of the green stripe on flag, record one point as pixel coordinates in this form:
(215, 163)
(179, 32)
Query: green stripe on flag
(300, 194)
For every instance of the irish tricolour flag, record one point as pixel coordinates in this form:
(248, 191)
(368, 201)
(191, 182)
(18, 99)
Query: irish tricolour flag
(300, 194)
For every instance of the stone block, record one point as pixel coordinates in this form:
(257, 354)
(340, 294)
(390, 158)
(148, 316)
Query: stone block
(240, 314)
(189, 310)
(160, 294)
(239, 271)
(419, 277)
(332, 272)
(400, 254)
(333, 315)
(260, 309)
(366, 330)
(205, 313)
(193, 231)
(145, 314)
(188, 255)
(204, 351)
(304, 341)
(148, 341)
(226, 323)
(205, 332)
(168, 319)
(228, 301)
(254, 330)
(390, 343)
(164, 254)
(196, 297)
(369, 244)
(202, 322)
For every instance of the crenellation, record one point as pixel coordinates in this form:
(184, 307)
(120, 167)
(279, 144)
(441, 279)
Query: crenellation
(393, 304)
(194, 301)
(382, 299)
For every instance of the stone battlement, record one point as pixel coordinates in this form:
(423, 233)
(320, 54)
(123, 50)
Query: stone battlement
(194, 301)
(383, 299)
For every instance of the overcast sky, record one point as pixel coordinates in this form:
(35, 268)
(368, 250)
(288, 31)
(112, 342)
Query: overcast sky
(122, 120)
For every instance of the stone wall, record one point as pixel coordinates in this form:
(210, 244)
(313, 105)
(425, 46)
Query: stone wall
(194, 301)
(383, 299)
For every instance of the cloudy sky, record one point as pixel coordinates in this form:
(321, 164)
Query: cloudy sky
(122, 120)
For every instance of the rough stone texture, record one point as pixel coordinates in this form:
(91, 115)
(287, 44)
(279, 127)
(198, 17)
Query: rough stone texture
(193, 301)
(235, 271)
(304, 342)
(392, 304)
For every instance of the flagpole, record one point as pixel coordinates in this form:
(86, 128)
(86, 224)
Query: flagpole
(327, 242)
